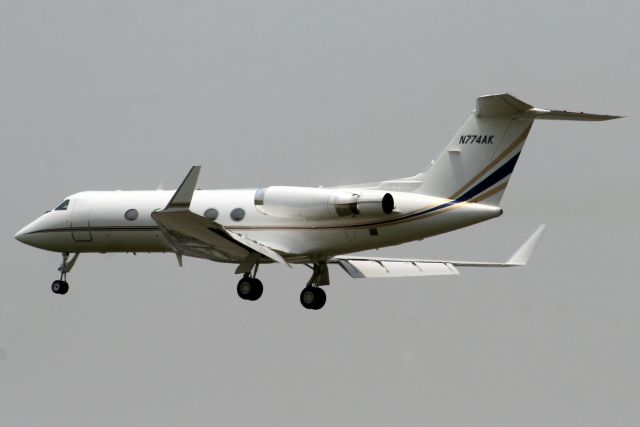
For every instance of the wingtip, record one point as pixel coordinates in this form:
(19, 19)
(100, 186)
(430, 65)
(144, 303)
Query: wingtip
(606, 117)
(182, 197)
(524, 252)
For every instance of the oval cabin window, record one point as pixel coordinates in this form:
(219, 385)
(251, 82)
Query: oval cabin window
(237, 214)
(131, 214)
(211, 213)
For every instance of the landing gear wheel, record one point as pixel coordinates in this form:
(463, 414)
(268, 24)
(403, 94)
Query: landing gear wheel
(60, 287)
(249, 288)
(313, 298)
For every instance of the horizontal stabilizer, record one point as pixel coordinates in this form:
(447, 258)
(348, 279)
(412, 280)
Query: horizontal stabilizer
(505, 105)
(500, 105)
(540, 114)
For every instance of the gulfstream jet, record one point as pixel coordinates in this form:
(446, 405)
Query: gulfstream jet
(314, 227)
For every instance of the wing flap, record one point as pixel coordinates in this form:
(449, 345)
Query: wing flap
(193, 235)
(369, 267)
(258, 247)
(362, 268)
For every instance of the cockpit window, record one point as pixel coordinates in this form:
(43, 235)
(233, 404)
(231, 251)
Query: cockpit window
(62, 206)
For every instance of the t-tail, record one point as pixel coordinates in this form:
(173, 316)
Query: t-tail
(477, 163)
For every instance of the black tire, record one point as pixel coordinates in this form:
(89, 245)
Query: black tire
(65, 288)
(56, 286)
(321, 298)
(256, 290)
(60, 287)
(244, 288)
(249, 288)
(313, 298)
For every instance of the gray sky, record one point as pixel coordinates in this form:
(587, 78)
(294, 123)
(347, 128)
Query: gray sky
(115, 95)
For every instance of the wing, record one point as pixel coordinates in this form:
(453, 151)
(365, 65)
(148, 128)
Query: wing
(194, 235)
(370, 267)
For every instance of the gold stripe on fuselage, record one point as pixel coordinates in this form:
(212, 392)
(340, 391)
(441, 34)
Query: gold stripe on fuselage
(488, 194)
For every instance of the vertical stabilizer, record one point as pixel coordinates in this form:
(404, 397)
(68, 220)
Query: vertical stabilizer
(478, 161)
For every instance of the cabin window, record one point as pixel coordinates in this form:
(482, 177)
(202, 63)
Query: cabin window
(237, 214)
(62, 206)
(131, 214)
(211, 213)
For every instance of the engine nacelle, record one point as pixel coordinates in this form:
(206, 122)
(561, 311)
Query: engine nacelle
(375, 203)
(321, 203)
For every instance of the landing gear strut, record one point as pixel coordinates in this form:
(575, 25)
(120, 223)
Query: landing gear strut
(312, 296)
(249, 287)
(61, 286)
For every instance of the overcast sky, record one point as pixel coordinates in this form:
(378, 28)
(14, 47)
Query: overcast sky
(121, 95)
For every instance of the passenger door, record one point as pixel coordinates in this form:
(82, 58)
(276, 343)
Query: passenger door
(80, 221)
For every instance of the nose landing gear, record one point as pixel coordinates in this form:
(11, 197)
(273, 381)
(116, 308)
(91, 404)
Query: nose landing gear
(61, 286)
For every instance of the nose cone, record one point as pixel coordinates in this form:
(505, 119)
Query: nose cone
(35, 233)
(25, 235)
(47, 232)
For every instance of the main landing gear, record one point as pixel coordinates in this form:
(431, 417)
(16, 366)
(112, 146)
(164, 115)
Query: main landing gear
(249, 288)
(313, 296)
(61, 286)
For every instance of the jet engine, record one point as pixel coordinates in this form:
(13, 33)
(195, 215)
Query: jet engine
(321, 203)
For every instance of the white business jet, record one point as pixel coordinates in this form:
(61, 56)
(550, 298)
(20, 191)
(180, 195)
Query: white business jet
(310, 226)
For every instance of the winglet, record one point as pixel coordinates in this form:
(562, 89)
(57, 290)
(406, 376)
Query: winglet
(182, 197)
(522, 255)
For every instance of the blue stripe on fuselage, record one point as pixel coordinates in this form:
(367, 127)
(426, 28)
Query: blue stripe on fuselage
(498, 175)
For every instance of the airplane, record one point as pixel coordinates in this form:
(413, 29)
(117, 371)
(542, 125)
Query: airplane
(315, 227)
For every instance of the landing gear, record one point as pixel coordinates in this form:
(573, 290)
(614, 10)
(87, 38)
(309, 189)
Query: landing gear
(312, 296)
(61, 286)
(249, 288)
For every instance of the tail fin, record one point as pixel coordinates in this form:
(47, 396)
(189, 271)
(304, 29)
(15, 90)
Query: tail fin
(477, 163)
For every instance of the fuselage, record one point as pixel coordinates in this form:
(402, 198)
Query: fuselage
(317, 226)
(120, 221)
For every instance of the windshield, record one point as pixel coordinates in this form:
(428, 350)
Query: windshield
(62, 206)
